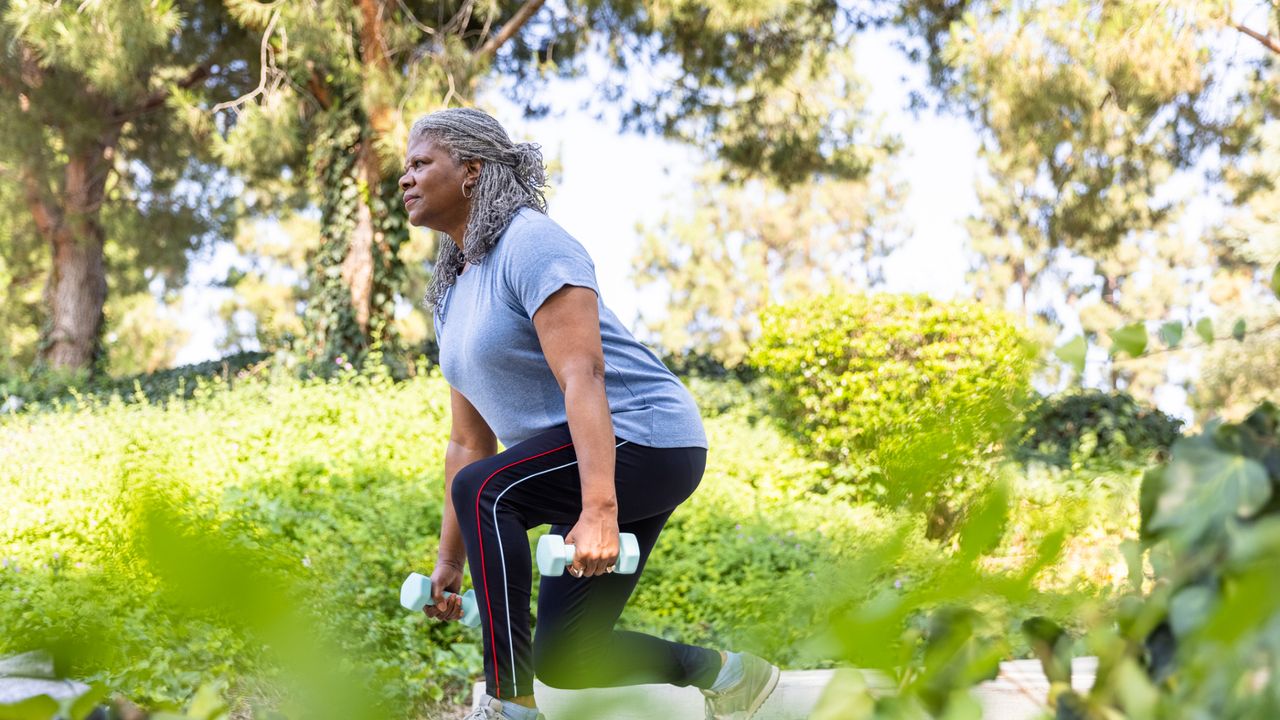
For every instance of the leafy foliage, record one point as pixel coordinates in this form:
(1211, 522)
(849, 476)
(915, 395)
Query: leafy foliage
(29, 392)
(743, 247)
(1237, 376)
(131, 526)
(128, 522)
(896, 393)
(1092, 426)
(1204, 640)
(1093, 120)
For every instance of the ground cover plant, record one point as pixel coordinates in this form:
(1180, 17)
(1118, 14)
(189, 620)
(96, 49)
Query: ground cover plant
(226, 541)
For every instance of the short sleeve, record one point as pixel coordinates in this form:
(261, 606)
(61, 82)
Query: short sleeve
(540, 260)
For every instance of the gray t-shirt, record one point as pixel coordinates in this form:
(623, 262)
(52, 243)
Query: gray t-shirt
(489, 350)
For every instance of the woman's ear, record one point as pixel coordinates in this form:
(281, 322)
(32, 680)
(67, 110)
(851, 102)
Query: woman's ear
(473, 168)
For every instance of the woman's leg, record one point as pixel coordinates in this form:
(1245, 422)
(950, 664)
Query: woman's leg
(576, 645)
(534, 483)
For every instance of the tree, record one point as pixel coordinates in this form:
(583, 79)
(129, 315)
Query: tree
(342, 84)
(751, 243)
(1142, 277)
(144, 339)
(1236, 375)
(90, 133)
(269, 291)
(22, 265)
(1085, 113)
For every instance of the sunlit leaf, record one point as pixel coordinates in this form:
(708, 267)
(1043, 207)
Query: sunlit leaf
(986, 523)
(86, 703)
(1237, 330)
(1137, 695)
(1131, 339)
(1171, 333)
(1204, 328)
(208, 703)
(40, 707)
(1073, 353)
(846, 697)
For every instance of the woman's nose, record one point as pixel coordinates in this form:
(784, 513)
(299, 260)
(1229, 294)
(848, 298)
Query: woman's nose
(405, 181)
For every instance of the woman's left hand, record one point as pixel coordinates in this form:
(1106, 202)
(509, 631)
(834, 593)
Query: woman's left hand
(595, 543)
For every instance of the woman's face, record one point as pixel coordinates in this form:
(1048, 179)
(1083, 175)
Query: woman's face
(432, 187)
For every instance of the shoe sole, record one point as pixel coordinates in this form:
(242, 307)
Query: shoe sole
(774, 675)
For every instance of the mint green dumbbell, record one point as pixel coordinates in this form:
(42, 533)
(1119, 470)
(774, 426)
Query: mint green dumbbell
(554, 556)
(415, 594)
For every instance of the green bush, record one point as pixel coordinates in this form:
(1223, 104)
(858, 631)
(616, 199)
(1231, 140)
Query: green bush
(898, 394)
(1092, 427)
(334, 476)
(46, 388)
(157, 547)
(1203, 638)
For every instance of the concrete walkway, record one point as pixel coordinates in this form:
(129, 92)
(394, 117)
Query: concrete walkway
(1018, 693)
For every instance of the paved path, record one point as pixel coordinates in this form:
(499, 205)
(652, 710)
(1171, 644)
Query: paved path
(1017, 694)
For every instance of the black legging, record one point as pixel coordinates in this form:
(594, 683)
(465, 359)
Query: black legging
(536, 482)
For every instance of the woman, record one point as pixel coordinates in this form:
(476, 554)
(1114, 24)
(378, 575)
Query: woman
(600, 437)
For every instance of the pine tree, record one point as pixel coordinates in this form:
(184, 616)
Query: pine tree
(93, 136)
(342, 84)
(1085, 113)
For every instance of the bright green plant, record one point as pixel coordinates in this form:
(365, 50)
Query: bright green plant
(1205, 640)
(899, 394)
(124, 524)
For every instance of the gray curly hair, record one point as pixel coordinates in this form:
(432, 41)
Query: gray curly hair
(512, 177)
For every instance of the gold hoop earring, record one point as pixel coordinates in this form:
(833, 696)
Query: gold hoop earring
(464, 190)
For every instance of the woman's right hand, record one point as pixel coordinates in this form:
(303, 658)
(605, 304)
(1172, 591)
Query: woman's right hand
(445, 578)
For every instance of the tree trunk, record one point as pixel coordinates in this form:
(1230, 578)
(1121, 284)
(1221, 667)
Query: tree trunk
(357, 266)
(76, 289)
(1108, 295)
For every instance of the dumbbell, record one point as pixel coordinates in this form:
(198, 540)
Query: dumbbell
(415, 594)
(554, 556)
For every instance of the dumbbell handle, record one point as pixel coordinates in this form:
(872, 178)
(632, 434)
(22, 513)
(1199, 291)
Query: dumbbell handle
(554, 556)
(415, 594)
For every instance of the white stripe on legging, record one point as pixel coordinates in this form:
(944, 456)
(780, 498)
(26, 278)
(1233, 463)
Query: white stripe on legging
(502, 558)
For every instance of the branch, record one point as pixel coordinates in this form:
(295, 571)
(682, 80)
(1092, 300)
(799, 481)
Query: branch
(521, 17)
(317, 87)
(198, 74)
(1250, 331)
(1267, 41)
(46, 220)
(267, 59)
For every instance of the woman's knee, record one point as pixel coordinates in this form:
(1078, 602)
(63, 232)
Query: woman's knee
(466, 486)
(561, 663)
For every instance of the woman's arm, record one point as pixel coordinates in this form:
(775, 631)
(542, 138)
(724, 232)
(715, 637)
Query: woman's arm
(470, 439)
(568, 326)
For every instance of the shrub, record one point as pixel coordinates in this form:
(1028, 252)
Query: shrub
(897, 393)
(124, 524)
(1203, 641)
(34, 390)
(1090, 427)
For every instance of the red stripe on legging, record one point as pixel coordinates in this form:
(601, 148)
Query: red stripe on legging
(484, 577)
